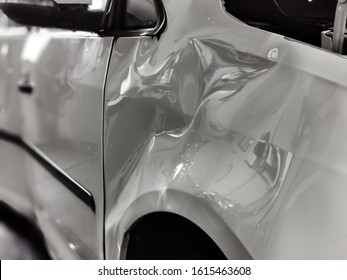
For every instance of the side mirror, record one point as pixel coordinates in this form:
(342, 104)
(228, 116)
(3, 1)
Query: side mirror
(67, 14)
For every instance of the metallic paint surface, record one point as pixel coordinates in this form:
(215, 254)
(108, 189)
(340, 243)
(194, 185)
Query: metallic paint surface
(62, 118)
(64, 121)
(237, 129)
(13, 187)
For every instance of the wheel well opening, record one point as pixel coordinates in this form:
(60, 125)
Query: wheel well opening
(164, 235)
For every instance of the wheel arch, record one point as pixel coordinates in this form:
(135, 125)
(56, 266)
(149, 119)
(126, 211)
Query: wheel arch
(173, 202)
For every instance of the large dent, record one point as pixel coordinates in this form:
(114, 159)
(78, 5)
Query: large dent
(203, 112)
(187, 106)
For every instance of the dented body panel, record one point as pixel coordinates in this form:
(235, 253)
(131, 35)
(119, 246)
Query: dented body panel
(208, 124)
(239, 130)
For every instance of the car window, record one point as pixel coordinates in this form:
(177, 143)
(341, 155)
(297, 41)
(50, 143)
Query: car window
(315, 9)
(303, 20)
(140, 14)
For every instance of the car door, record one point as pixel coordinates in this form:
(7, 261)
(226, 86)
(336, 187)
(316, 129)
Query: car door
(13, 188)
(63, 120)
(58, 95)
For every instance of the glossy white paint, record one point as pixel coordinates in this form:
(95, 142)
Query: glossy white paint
(219, 134)
(237, 129)
(63, 119)
(13, 188)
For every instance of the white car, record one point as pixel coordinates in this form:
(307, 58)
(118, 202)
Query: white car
(172, 129)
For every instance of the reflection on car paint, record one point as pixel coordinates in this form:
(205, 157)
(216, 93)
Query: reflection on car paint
(239, 130)
(217, 120)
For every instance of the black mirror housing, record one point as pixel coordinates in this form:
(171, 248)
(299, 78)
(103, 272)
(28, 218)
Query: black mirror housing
(47, 13)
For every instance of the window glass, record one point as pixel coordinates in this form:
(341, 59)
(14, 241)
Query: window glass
(315, 9)
(140, 14)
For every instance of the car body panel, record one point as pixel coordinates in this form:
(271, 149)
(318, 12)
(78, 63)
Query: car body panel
(238, 129)
(62, 120)
(14, 187)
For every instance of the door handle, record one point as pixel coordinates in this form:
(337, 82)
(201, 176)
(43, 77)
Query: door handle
(25, 86)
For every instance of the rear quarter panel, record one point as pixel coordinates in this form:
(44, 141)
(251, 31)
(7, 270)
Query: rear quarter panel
(205, 123)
